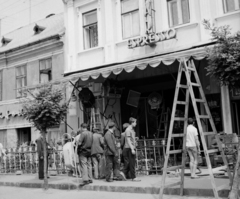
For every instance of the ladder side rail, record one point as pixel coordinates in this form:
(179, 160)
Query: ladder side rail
(184, 143)
(170, 131)
(201, 130)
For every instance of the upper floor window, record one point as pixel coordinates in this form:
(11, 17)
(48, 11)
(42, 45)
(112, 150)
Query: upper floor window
(178, 12)
(90, 29)
(130, 18)
(21, 80)
(231, 5)
(45, 70)
(0, 85)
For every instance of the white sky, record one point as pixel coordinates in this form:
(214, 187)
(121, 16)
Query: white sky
(17, 13)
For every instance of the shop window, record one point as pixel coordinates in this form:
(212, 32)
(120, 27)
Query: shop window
(90, 29)
(0, 85)
(130, 18)
(21, 80)
(45, 70)
(178, 12)
(24, 136)
(231, 5)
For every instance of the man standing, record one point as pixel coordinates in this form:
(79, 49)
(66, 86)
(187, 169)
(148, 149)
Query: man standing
(85, 145)
(40, 152)
(97, 153)
(111, 152)
(193, 147)
(130, 150)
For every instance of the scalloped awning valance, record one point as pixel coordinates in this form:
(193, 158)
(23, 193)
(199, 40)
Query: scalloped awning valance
(128, 66)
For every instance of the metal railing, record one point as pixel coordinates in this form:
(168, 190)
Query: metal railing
(149, 159)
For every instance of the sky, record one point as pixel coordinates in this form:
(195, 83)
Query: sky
(17, 13)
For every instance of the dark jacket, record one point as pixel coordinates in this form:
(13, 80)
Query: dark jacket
(98, 144)
(110, 142)
(40, 149)
(85, 143)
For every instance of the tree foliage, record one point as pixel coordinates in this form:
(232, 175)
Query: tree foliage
(224, 57)
(46, 109)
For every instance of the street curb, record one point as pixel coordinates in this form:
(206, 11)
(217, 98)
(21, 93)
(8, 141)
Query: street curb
(122, 189)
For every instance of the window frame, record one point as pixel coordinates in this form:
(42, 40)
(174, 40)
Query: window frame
(21, 77)
(180, 13)
(89, 25)
(43, 70)
(130, 12)
(236, 5)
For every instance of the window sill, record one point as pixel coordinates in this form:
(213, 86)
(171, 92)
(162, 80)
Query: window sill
(91, 49)
(228, 14)
(185, 25)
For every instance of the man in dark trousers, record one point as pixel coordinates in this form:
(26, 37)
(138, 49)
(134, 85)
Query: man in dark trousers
(130, 150)
(97, 153)
(40, 152)
(112, 156)
(84, 152)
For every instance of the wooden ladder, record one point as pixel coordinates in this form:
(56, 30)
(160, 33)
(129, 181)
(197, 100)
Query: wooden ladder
(96, 119)
(190, 88)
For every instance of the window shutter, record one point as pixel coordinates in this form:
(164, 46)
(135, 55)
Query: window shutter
(135, 23)
(185, 11)
(126, 21)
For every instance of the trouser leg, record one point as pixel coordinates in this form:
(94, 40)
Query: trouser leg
(89, 167)
(126, 156)
(109, 166)
(95, 166)
(84, 167)
(132, 163)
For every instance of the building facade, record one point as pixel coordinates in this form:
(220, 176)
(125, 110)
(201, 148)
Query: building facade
(30, 57)
(127, 52)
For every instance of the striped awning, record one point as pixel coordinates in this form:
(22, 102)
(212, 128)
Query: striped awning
(128, 66)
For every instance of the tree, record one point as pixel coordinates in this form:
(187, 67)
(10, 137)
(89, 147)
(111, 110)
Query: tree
(224, 65)
(224, 56)
(44, 110)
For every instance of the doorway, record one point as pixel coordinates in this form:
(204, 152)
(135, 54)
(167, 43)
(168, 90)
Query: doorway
(24, 136)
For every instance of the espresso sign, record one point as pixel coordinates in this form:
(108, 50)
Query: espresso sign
(151, 38)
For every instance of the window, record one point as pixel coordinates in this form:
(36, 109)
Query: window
(1, 85)
(21, 79)
(45, 70)
(90, 29)
(178, 12)
(130, 18)
(231, 5)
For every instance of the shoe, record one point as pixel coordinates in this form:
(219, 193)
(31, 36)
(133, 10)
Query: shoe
(136, 180)
(109, 180)
(90, 181)
(123, 176)
(84, 183)
(41, 178)
(195, 177)
(48, 177)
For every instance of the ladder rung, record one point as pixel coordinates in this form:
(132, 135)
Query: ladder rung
(209, 133)
(223, 187)
(180, 118)
(174, 168)
(199, 100)
(173, 184)
(175, 151)
(183, 86)
(181, 102)
(195, 84)
(177, 135)
(190, 68)
(213, 150)
(204, 116)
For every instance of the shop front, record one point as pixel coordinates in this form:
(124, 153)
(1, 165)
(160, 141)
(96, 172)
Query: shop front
(144, 89)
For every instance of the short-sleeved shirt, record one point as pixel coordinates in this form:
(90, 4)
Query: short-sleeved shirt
(130, 133)
(191, 133)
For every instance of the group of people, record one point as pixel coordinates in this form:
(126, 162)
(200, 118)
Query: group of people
(102, 152)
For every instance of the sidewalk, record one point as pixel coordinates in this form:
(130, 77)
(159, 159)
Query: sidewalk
(148, 185)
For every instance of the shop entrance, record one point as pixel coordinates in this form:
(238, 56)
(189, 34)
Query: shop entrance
(236, 116)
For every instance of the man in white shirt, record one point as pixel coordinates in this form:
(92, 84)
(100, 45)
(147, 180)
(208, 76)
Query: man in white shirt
(193, 147)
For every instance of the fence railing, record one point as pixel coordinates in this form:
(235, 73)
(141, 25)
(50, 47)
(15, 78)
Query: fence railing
(149, 159)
